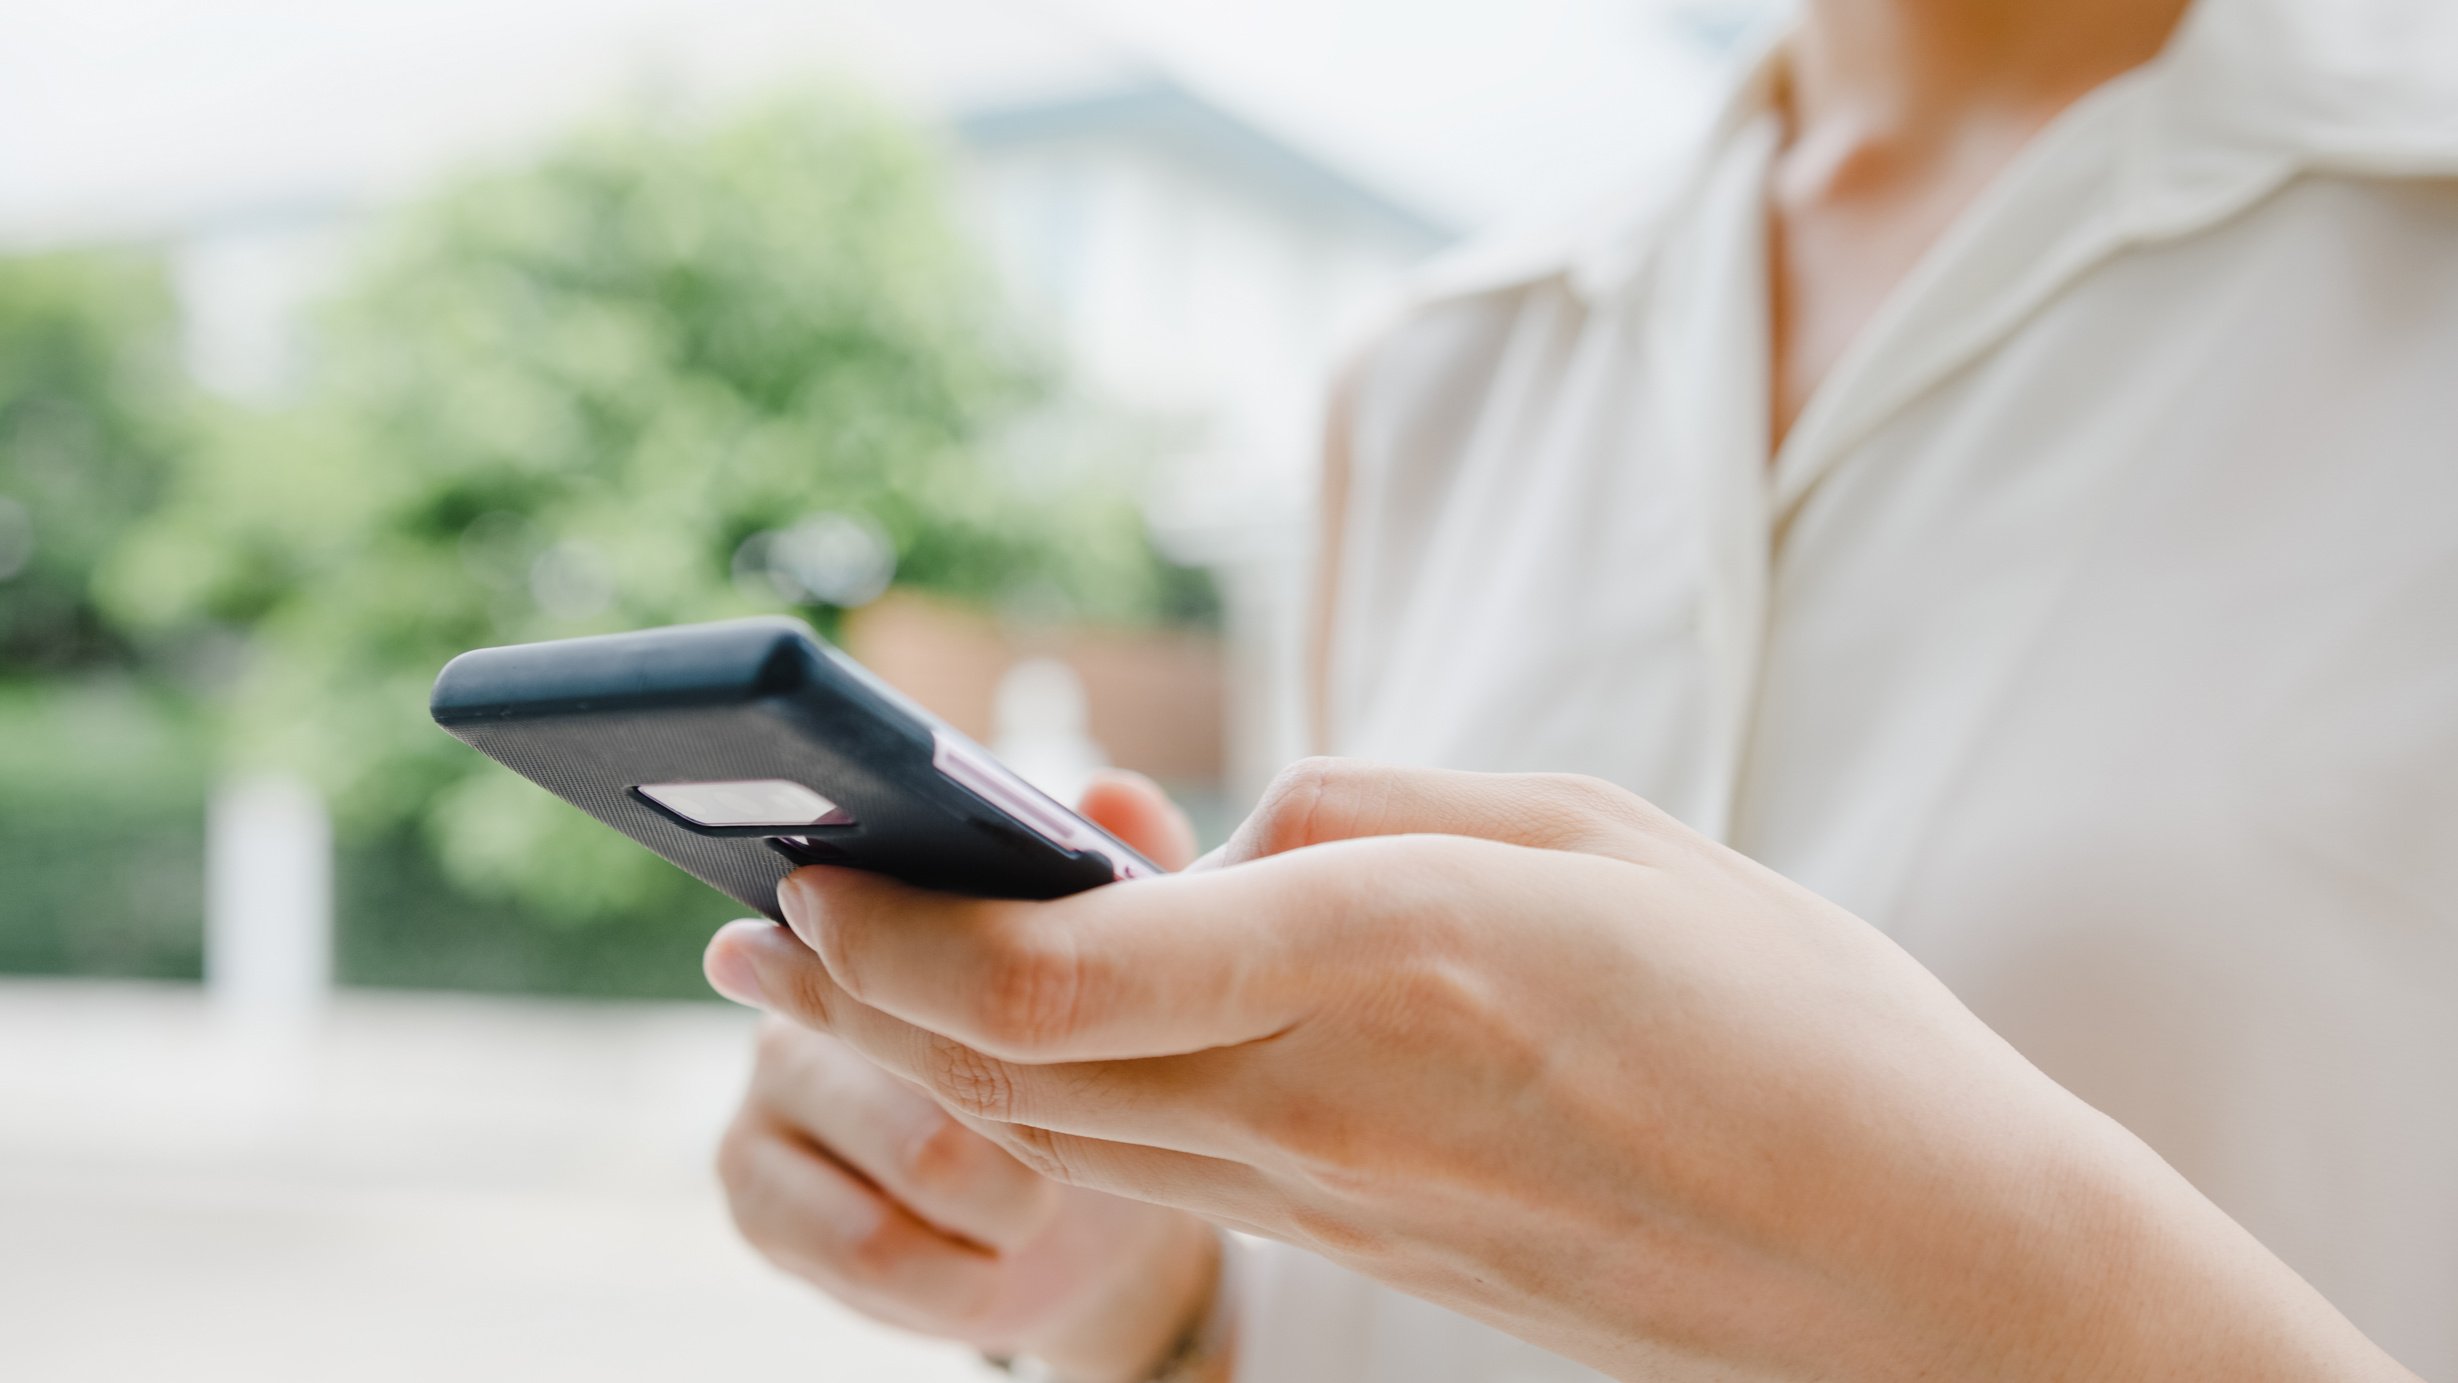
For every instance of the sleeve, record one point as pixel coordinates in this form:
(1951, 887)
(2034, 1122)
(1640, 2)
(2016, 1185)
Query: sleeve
(1301, 1319)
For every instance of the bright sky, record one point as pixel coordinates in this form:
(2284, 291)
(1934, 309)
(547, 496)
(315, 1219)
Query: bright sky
(128, 116)
(1495, 109)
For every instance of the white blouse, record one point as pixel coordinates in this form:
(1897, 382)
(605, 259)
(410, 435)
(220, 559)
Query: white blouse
(2094, 632)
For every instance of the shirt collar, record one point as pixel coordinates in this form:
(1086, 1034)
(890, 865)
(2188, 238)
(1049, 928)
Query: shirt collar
(2351, 85)
(2247, 94)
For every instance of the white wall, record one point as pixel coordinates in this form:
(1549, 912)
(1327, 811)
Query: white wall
(1187, 288)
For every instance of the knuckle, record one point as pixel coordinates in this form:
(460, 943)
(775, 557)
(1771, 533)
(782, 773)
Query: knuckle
(969, 1082)
(1581, 792)
(840, 954)
(1288, 815)
(1038, 1150)
(1336, 1236)
(1316, 1138)
(1430, 862)
(809, 997)
(875, 1252)
(963, 1310)
(777, 1045)
(1580, 808)
(753, 1199)
(736, 1161)
(1408, 903)
(1573, 805)
(1455, 995)
(1032, 991)
(941, 1157)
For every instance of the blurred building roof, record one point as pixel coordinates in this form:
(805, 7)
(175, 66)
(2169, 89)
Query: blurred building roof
(1165, 107)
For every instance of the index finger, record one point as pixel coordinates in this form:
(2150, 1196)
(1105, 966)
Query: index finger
(1149, 967)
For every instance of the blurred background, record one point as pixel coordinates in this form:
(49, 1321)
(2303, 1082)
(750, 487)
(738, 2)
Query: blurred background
(338, 337)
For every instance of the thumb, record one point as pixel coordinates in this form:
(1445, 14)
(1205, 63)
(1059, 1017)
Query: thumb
(1133, 808)
(1323, 800)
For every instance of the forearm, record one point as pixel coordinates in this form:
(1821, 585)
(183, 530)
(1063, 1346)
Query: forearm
(2069, 1249)
(1166, 1321)
(2188, 1294)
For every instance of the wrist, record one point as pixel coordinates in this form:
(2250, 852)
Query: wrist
(2186, 1293)
(1161, 1300)
(2103, 1262)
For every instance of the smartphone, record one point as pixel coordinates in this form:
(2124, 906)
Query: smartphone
(745, 749)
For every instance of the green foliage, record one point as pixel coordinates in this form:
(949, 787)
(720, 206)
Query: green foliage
(102, 778)
(670, 372)
(91, 403)
(102, 807)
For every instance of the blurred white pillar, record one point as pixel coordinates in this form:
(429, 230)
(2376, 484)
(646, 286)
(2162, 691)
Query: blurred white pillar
(268, 902)
(1042, 729)
(1267, 612)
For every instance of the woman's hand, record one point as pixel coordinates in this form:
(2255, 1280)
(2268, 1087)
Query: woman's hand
(1527, 1047)
(850, 1177)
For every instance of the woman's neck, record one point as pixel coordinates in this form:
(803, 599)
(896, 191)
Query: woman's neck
(1892, 70)
(1897, 113)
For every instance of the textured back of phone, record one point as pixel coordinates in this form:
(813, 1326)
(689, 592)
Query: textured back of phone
(592, 720)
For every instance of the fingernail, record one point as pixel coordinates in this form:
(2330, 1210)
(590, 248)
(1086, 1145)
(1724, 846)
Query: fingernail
(799, 901)
(729, 967)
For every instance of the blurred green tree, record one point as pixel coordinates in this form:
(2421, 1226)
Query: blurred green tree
(102, 769)
(672, 371)
(92, 402)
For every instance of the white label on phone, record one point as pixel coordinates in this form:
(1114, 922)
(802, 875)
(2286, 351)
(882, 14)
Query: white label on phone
(747, 802)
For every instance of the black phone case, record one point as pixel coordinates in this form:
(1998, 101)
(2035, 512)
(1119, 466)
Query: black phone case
(591, 719)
